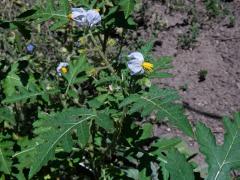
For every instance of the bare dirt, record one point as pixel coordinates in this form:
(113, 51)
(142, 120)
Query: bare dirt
(217, 51)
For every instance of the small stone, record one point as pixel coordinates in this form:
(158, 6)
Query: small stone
(238, 85)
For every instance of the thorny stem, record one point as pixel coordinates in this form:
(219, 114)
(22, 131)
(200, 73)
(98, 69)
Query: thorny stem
(101, 53)
(101, 68)
(121, 45)
(116, 135)
(105, 41)
(19, 112)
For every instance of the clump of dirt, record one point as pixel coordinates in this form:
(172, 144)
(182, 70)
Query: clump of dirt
(215, 54)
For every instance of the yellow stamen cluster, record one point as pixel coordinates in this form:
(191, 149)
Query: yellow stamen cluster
(69, 16)
(147, 66)
(64, 70)
(98, 10)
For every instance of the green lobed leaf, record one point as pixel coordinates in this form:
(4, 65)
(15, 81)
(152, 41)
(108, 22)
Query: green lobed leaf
(142, 175)
(162, 102)
(76, 67)
(11, 81)
(178, 167)
(127, 6)
(147, 131)
(83, 133)
(104, 120)
(58, 129)
(157, 74)
(5, 156)
(165, 144)
(221, 159)
(147, 48)
(52, 11)
(163, 63)
(165, 172)
(7, 115)
(25, 95)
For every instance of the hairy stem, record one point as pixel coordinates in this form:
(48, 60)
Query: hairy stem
(101, 53)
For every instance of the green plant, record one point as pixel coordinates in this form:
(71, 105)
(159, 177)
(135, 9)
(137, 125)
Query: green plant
(175, 4)
(221, 158)
(202, 74)
(85, 114)
(232, 20)
(187, 40)
(213, 7)
(90, 108)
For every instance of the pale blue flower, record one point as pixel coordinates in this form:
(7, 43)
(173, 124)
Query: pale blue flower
(93, 17)
(137, 65)
(30, 48)
(79, 16)
(85, 18)
(62, 68)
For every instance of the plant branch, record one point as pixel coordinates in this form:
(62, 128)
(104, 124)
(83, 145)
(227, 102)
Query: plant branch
(101, 53)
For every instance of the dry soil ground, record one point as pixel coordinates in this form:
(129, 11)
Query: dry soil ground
(217, 51)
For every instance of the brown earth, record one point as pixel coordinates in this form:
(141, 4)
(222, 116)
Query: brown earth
(217, 51)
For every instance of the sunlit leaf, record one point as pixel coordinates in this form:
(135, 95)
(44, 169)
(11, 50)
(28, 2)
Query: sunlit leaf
(221, 159)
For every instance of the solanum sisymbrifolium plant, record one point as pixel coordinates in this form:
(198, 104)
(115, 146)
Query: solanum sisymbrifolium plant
(83, 112)
(87, 109)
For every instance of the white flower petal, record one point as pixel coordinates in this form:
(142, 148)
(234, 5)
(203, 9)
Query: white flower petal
(81, 10)
(137, 56)
(78, 12)
(135, 63)
(79, 16)
(93, 17)
(135, 67)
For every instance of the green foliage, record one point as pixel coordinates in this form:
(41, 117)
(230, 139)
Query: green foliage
(6, 115)
(25, 95)
(160, 101)
(178, 166)
(5, 155)
(213, 7)
(92, 120)
(127, 6)
(165, 144)
(57, 128)
(52, 11)
(188, 39)
(202, 74)
(221, 159)
(12, 81)
(76, 67)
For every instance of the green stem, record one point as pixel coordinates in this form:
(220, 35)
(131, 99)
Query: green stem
(105, 42)
(101, 53)
(110, 149)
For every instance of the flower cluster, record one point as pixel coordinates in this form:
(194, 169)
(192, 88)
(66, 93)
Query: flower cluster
(85, 18)
(136, 64)
(88, 19)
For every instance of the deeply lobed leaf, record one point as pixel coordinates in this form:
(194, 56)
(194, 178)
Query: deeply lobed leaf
(221, 159)
(178, 166)
(5, 156)
(162, 102)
